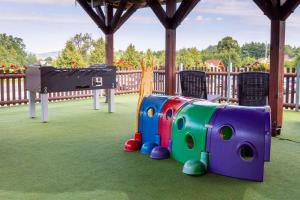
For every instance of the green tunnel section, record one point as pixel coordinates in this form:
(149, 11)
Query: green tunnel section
(189, 130)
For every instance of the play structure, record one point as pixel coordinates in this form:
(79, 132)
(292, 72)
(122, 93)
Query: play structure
(205, 137)
(229, 140)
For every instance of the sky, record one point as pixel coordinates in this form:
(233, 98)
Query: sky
(45, 25)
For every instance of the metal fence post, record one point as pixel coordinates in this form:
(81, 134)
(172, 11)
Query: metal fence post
(298, 87)
(229, 69)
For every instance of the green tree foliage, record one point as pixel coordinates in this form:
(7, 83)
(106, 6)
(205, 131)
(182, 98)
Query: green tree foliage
(70, 57)
(247, 61)
(31, 59)
(254, 50)
(12, 50)
(83, 43)
(190, 57)
(160, 57)
(228, 49)
(49, 60)
(149, 58)
(228, 44)
(131, 57)
(97, 55)
(290, 51)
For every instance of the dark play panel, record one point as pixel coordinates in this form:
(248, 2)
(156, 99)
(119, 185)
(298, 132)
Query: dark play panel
(49, 79)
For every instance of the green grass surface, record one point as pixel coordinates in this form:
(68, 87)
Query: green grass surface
(78, 155)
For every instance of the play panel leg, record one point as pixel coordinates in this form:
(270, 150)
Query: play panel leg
(44, 109)
(32, 97)
(111, 100)
(96, 104)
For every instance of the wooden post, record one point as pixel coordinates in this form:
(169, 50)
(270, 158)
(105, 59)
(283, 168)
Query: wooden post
(298, 87)
(229, 70)
(170, 58)
(277, 74)
(109, 54)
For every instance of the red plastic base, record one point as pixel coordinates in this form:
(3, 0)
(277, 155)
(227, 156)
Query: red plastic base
(138, 137)
(132, 145)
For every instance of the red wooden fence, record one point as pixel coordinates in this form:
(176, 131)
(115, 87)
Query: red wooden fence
(12, 90)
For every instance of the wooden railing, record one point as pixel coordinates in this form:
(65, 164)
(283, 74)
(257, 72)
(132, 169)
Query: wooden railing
(217, 83)
(13, 91)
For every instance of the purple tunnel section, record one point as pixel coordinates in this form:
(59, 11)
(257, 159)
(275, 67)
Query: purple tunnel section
(239, 142)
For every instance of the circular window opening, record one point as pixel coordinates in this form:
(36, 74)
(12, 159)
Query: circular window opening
(226, 132)
(246, 152)
(180, 123)
(169, 114)
(150, 112)
(189, 141)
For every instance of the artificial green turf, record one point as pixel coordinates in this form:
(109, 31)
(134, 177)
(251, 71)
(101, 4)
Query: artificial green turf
(78, 155)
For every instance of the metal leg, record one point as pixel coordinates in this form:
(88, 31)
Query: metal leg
(111, 100)
(32, 97)
(96, 94)
(44, 105)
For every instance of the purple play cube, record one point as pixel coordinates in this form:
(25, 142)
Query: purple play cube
(239, 142)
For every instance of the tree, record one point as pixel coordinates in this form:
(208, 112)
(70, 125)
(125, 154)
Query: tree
(12, 50)
(131, 57)
(190, 57)
(70, 57)
(160, 57)
(49, 60)
(229, 50)
(97, 55)
(253, 50)
(228, 44)
(290, 51)
(31, 59)
(83, 43)
(149, 58)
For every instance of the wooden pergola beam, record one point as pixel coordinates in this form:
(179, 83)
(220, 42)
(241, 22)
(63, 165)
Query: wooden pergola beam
(170, 57)
(126, 16)
(183, 10)
(266, 6)
(276, 74)
(100, 23)
(288, 8)
(100, 12)
(118, 14)
(159, 12)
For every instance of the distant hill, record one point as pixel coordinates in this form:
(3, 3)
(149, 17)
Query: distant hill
(42, 56)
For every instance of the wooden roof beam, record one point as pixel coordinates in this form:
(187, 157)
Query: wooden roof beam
(125, 16)
(183, 10)
(100, 12)
(100, 23)
(159, 12)
(288, 8)
(266, 6)
(117, 15)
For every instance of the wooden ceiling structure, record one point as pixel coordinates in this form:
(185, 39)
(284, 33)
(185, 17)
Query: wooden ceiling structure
(110, 15)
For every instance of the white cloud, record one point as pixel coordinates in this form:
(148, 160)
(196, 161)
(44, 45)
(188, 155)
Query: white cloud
(199, 18)
(219, 18)
(45, 18)
(58, 2)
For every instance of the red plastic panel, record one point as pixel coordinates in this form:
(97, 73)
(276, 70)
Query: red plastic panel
(170, 109)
